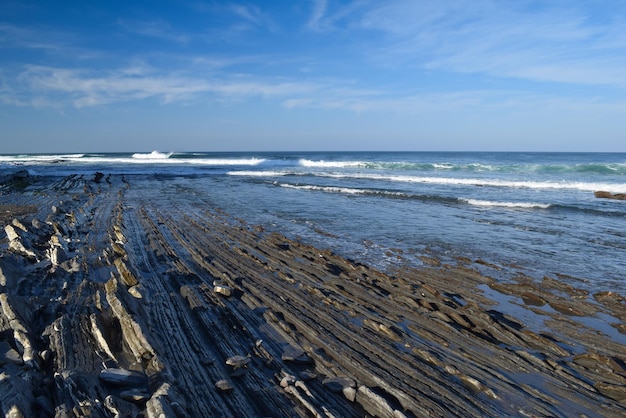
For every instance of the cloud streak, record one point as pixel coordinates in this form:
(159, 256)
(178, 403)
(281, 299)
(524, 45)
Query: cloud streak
(85, 88)
(501, 39)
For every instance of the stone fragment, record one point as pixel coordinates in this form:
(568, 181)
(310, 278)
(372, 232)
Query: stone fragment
(472, 384)
(238, 361)
(296, 355)
(532, 299)
(287, 380)
(123, 377)
(8, 354)
(373, 403)
(11, 233)
(338, 384)
(224, 386)
(137, 291)
(135, 395)
(223, 290)
(615, 392)
(349, 393)
(120, 407)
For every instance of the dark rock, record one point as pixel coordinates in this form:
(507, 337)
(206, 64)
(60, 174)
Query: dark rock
(338, 384)
(123, 377)
(296, 355)
(608, 195)
(135, 395)
(97, 177)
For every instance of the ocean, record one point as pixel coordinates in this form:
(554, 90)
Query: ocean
(528, 213)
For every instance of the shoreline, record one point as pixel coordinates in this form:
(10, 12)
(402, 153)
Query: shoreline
(113, 304)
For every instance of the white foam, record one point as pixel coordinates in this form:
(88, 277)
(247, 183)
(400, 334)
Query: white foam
(25, 158)
(522, 205)
(584, 186)
(154, 155)
(330, 164)
(258, 173)
(329, 189)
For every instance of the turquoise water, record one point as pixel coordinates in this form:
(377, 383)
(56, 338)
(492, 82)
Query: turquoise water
(534, 212)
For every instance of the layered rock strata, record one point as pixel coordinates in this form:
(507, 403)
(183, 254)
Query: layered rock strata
(115, 304)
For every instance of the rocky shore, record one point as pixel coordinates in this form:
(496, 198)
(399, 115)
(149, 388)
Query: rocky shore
(113, 304)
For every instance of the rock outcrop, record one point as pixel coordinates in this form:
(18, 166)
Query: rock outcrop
(121, 304)
(609, 195)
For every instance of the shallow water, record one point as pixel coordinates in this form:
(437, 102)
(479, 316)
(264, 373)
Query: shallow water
(534, 211)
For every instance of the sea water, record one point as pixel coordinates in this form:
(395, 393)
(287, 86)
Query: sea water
(534, 213)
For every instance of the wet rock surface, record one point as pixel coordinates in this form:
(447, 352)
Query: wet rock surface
(117, 304)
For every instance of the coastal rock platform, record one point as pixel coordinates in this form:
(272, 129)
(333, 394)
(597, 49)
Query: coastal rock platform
(114, 303)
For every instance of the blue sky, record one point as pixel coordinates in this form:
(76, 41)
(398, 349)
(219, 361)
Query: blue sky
(86, 76)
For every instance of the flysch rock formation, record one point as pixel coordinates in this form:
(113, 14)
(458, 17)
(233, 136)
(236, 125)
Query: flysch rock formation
(116, 303)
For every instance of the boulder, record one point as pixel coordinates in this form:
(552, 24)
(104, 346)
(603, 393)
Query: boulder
(123, 377)
(608, 195)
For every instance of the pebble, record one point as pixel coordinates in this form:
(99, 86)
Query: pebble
(224, 386)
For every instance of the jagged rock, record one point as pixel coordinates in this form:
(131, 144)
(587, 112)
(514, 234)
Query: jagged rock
(137, 291)
(8, 354)
(616, 392)
(373, 403)
(97, 177)
(238, 361)
(296, 355)
(223, 290)
(135, 395)
(11, 233)
(123, 377)
(120, 408)
(337, 384)
(16, 396)
(161, 405)
(287, 380)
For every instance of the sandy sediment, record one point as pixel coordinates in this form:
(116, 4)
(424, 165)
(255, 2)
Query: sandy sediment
(113, 304)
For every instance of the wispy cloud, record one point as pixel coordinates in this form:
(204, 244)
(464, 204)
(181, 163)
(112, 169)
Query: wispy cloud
(560, 43)
(12, 36)
(159, 29)
(84, 88)
(253, 15)
(317, 13)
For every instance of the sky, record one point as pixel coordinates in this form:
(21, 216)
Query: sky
(306, 75)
